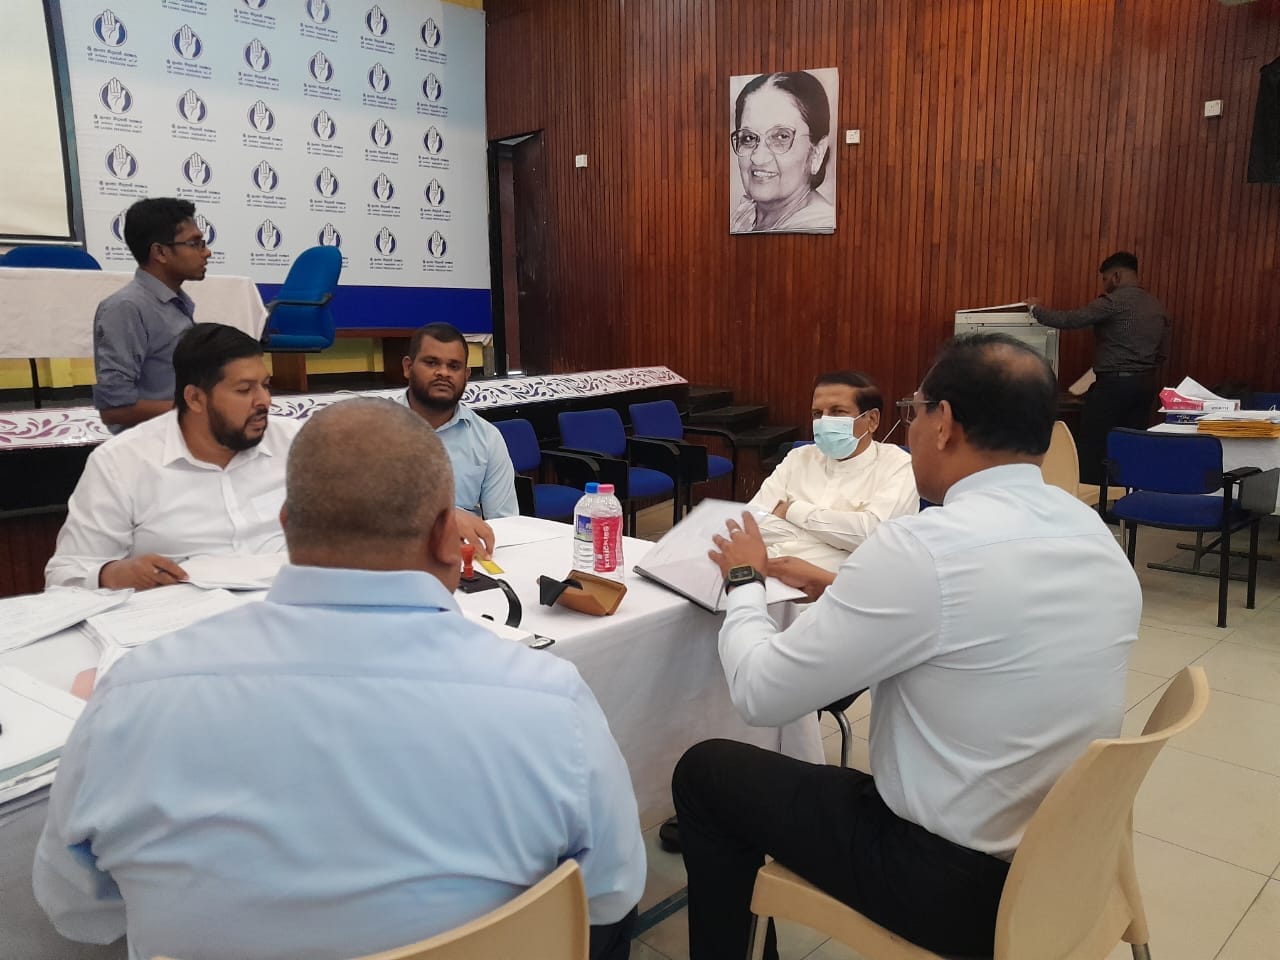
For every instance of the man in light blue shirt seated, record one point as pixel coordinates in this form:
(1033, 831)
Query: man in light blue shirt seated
(436, 368)
(348, 766)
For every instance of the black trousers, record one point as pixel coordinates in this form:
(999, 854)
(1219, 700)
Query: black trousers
(612, 941)
(1113, 401)
(737, 802)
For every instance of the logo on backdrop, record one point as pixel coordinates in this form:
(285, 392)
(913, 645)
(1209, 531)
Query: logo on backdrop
(257, 56)
(435, 193)
(385, 242)
(192, 108)
(268, 235)
(205, 227)
(318, 10)
(196, 170)
(380, 133)
(379, 79)
(376, 21)
(187, 43)
(121, 164)
(433, 141)
(117, 226)
(430, 33)
(255, 4)
(329, 236)
(320, 67)
(436, 244)
(265, 177)
(110, 29)
(383, 189)
(115, 96)
(431, 87)
(322, 125)
(260, 117)
(326, 183)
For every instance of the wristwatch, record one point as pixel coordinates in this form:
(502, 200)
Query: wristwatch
(744, 573)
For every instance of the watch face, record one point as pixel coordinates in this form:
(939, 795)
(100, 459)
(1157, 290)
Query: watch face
(742, 574)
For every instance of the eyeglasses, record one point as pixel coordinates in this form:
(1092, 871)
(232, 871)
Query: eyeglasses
(779, 140)
(195, 243)
(908, 407)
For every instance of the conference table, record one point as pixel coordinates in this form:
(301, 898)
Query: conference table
(653, 666)
(49, 313)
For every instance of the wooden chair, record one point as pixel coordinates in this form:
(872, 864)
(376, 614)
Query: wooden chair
(1061, 467)
(1072, 890)
(547, 920)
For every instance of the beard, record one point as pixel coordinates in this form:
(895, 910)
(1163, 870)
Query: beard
(230, 436)
(422, 393)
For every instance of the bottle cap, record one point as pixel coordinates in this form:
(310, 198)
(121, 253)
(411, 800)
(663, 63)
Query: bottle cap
(606, 489)
(592, 487)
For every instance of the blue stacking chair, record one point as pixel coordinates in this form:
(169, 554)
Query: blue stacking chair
(1264, 401)
(550, 501)
(640, 468)
(48, 258)
(1170, 478)
(299, 319)
(660, 420)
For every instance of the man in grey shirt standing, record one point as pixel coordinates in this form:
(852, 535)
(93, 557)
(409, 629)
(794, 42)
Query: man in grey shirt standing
(136, 328)
(1131, 334)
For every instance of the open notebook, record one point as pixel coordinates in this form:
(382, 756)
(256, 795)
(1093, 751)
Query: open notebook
(679, 560)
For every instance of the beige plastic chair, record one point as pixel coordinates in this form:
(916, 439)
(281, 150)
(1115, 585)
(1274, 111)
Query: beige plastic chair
(547, 920)
(1072, 890)
(1061, 467)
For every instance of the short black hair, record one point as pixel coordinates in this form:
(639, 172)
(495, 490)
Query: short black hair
(154, 220)
(203, 353)
(1120, 260)
(443, 332)
(811, 100)
(1001, 391)
(865, 392)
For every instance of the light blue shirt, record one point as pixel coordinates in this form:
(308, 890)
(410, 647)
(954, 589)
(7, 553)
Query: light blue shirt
(134, 333)
(484, 480)
(346, 767)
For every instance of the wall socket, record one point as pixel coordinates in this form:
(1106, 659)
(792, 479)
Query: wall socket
(580, 161)
(853, 136)
(1213, 108)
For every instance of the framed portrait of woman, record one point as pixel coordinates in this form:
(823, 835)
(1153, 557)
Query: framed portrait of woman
(782, 159)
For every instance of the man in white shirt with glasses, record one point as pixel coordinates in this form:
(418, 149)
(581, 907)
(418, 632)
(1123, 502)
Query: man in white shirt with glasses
(206, 478)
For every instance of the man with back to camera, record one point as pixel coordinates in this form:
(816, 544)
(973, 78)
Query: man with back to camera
(437, 372)
(1131, 334)
(136, 329)
(350, 765)
(990, 674)
(206, 478)
(826, 498)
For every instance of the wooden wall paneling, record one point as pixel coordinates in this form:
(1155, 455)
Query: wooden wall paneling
(1008, 145)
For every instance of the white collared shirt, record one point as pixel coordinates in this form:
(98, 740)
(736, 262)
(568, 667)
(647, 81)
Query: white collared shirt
(994, 632)
(143, 492)
(835, 504)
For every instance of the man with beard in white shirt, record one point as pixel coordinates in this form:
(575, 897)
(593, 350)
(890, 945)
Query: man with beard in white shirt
(205, 478)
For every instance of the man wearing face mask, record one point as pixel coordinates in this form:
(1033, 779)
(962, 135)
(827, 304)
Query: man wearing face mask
(825, 499)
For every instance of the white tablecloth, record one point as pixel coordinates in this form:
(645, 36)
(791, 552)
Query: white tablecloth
(49, 313)
(1260, 452)
(653, 666)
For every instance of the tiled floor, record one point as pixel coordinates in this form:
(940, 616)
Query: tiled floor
(1208, 815)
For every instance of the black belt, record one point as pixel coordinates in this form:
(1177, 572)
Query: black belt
(1149, 372)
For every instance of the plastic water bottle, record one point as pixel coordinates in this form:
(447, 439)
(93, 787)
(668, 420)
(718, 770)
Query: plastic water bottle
(606, 534)
(584, 548)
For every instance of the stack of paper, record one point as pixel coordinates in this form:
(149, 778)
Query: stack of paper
(679, 560)
(36, 720)
(234, 571)
(26, 619)
(1241, 423)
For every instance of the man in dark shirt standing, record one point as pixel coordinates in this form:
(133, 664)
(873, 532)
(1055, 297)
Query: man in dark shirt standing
(1131, 332)
(136, 328)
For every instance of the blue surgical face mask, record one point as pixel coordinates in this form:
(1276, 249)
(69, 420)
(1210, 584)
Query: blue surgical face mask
(835, 436)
